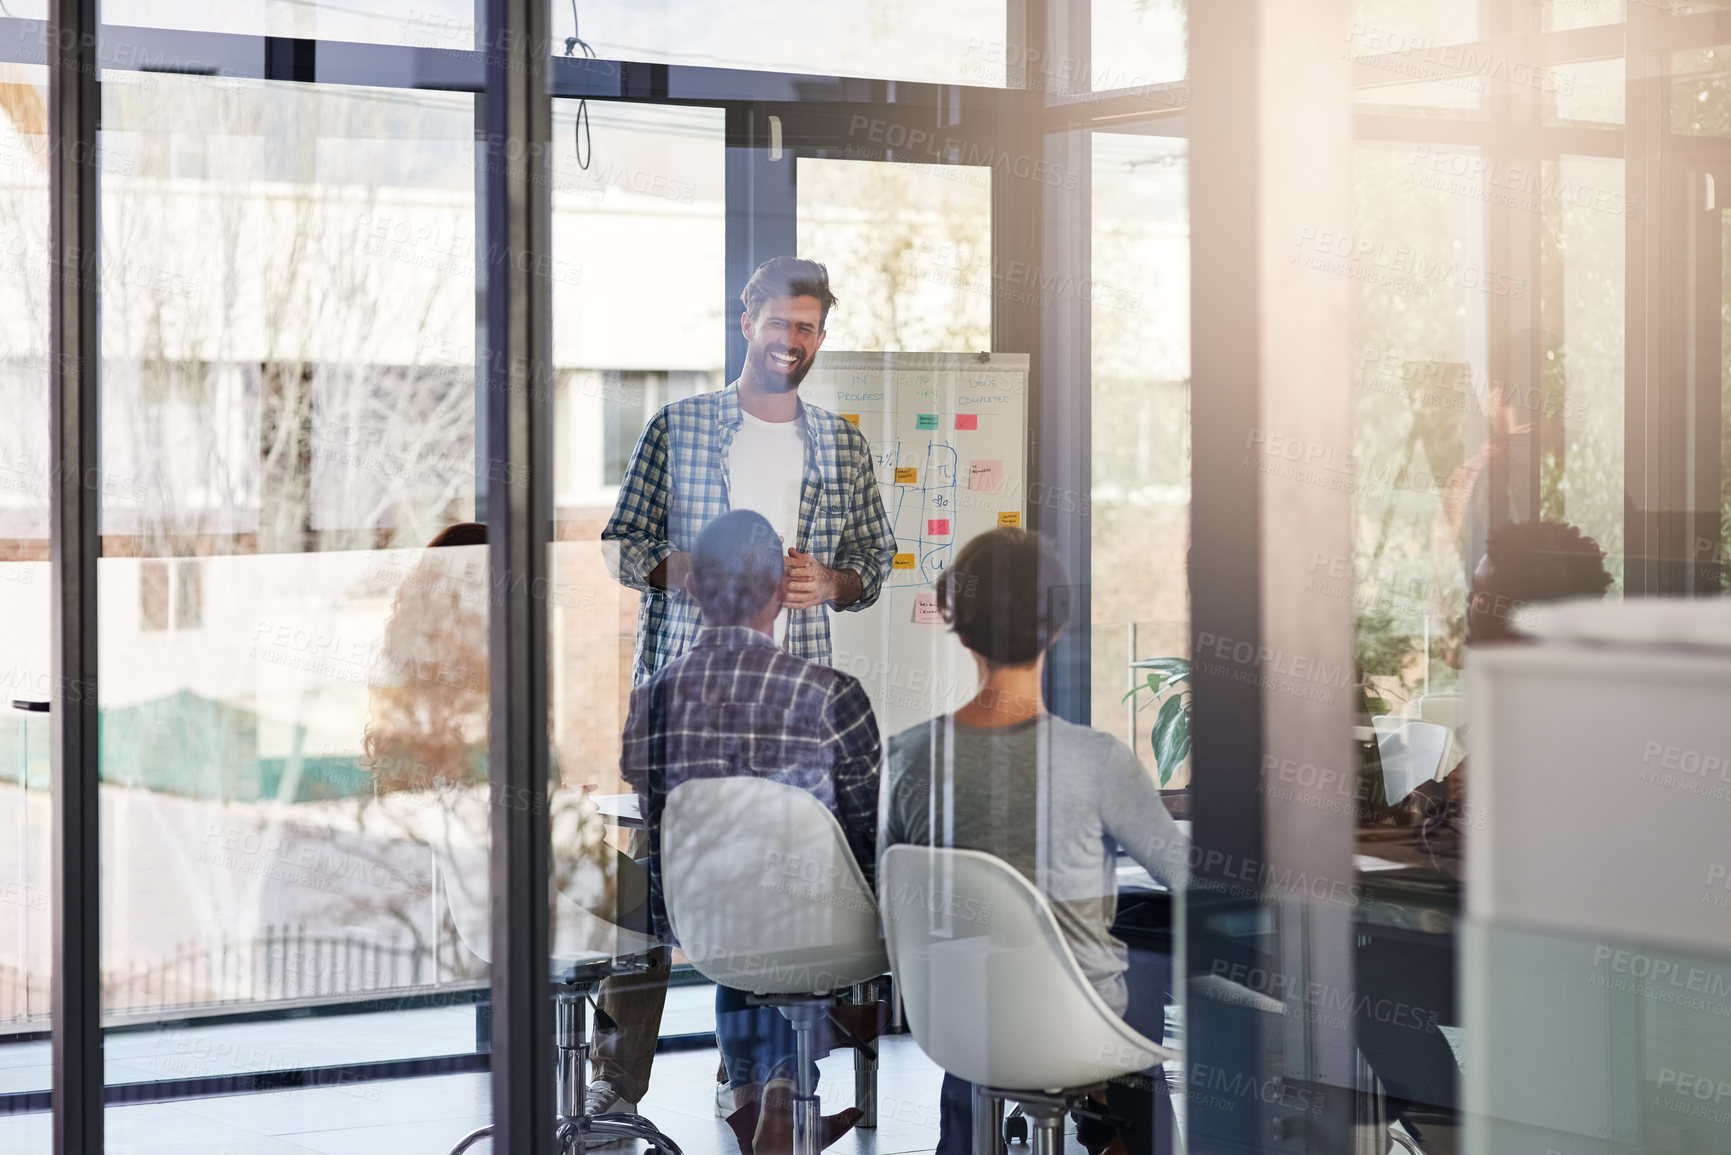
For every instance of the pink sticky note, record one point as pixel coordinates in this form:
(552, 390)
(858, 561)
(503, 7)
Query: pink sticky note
(986, 475)
(926, 609)
(937, 527)
(967, 421)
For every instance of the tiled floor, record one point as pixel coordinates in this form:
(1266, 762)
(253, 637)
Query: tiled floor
(429, 1115)
(424, 1116)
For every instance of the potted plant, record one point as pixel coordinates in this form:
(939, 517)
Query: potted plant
(1170, 735)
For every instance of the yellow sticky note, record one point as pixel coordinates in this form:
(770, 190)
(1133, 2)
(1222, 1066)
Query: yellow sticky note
(907, 475)
(853, 417)
(903, 561)
(1012, 518)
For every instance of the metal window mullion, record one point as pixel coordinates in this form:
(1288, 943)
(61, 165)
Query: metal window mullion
(1225, 558)
(518, 308)
(73, 97)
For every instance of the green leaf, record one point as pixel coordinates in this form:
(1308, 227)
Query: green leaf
(1163, 672)
(1179, 667)
(1170, 736)
(1180, 747)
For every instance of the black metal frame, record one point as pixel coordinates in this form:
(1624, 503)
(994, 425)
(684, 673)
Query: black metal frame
(1225, 565)
(74, 277)
(519, 402)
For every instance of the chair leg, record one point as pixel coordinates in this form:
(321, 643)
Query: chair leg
(806, 1114)
(865, 1088)
(1046, 1122)
(628, 1127)
(988, 1121)
(865, 1065)
(571, 1035)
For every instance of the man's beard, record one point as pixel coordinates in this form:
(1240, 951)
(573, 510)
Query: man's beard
(792, 377)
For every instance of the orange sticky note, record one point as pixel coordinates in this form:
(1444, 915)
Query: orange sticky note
(907, 475)
(903, 561)
(967, 421)
(1011, 518)
(851, 417)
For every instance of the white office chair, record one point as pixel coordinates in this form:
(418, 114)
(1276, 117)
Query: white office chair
(765, 897)
(993, 993)
(585, 949)
(1450, 710)
(1411, 754)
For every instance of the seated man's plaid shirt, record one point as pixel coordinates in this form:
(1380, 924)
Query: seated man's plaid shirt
(737, 706)
(678, 482)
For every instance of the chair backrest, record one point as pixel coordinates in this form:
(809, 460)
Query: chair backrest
(993, 993)
(1445, 709)
(579, 936)
(762, 891)
(1448, 709)
(1411, 754)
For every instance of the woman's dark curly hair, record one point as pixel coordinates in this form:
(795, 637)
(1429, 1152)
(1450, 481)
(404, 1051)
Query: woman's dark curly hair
(1007, 596)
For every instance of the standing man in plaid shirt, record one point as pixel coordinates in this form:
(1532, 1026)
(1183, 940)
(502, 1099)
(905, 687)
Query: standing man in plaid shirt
(752, 446)
(755, 445)
(737, 705)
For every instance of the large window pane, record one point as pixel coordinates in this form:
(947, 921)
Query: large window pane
(952, 43)
(25, 593)
(1581, 399)
(293, 694)
(1136, 42)
(961, 43)
(639, 215)
(1141, 369)
(1411, 61)
(912, 242)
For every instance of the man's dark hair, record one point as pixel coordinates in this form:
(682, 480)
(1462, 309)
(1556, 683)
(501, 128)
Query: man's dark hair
(1538, 561)
(736, 566)
(788, 277)
(1006, 596)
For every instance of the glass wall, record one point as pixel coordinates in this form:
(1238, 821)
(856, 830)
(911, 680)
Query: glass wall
(1263, 485)
(1140, 311)
(293, 695)
(25, 957)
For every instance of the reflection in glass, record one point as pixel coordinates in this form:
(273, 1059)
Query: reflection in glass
(1592, 92)
(288, 303)
(1384, 27)
(1582, 378)
(25, 589)
(1134, 42)
(908, 244)
(1140, 315)
(961, 43)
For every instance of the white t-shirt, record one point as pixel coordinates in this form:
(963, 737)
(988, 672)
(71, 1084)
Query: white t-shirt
(766, 469)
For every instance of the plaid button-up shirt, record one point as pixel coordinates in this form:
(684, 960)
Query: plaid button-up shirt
(737, 706)
(679, 480)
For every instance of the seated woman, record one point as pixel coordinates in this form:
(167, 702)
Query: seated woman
(1053, 799)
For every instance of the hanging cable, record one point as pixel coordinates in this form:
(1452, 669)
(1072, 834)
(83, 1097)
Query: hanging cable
(581, 140)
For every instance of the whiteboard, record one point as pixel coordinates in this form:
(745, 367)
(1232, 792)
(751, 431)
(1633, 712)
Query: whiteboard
(949, 438)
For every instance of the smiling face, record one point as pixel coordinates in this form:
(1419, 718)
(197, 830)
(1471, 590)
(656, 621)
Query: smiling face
(782, 341)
